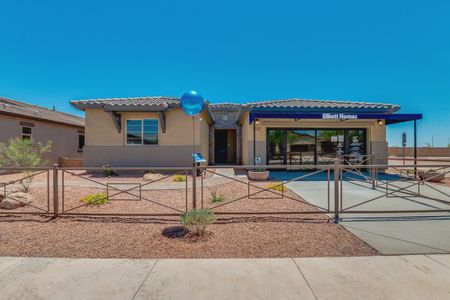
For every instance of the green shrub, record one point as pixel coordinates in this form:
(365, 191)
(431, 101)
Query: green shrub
(95, 199)
(196, 221)
(216, 196)
(108, 172)
(24, 153)
(259, 169)
(277, 186)
(179, 178)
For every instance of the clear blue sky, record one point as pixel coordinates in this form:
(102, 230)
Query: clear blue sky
(386, 51)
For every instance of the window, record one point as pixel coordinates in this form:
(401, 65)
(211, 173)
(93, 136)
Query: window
(26, 133)
(142, 132)
(80, 142)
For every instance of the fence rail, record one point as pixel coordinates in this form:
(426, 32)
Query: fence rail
(343, 188)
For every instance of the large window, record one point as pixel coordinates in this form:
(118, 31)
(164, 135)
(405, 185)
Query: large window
(314, 146)
(142, 132)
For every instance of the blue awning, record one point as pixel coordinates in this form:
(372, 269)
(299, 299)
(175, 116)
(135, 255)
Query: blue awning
(389, 118)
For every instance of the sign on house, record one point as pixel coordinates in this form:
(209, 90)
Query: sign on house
(340, 116)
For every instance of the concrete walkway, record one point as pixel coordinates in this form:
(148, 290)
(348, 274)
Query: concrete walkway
(389, 236)
(391, 277)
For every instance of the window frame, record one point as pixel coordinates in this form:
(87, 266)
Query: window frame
(84, 142)
(142, 132)
(29, 135)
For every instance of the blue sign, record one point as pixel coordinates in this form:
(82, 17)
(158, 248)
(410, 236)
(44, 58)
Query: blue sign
(198, 157)
(192, 103)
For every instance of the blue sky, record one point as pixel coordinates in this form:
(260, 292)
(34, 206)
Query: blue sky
(386, 51)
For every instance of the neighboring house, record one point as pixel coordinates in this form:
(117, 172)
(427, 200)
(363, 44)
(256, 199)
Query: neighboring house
(154, 131)
(20, 119)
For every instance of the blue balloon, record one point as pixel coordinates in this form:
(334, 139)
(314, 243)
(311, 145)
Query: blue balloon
(192, 103)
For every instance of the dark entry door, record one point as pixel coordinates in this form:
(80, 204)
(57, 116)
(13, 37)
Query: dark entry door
(220, 146)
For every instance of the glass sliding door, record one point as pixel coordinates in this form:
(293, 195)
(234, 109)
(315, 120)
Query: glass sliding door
(330, 144)
(301, 147)
(276, 146)
(314, 146)
(355, 145)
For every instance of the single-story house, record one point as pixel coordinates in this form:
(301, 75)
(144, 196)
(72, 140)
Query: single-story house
(27, 121)
(154, 131)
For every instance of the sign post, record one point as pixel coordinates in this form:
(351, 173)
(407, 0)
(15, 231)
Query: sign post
(404, 145)
(192, 103)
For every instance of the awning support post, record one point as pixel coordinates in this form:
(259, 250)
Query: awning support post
(254, 142)
(415, 147)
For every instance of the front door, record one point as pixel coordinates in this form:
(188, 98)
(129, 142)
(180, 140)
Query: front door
(220, 146)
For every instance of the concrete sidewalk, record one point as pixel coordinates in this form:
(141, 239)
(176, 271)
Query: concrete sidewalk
(395, 236)
(388, 277)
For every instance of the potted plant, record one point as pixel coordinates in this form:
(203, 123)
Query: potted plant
(258, 174)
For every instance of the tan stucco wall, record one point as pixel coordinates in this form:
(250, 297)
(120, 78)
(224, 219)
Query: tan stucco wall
(101, 131)
(376, 134)
(177, 140)
(64, 137)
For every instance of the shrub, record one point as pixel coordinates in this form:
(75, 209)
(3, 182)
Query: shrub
(108, 172)
(277, 186)
(179, 178)
(196, 221)
(95, 199)
(216, 196)
(260, 169)
(24, 153)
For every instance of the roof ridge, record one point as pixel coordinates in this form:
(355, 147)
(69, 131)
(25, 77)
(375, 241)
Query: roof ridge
(127, 98)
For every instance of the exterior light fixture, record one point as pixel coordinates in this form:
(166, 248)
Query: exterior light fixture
(380, 122)
(257, 122)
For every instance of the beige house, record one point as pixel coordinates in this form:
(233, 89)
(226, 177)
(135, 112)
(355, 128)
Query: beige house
(154, 131)
(19, 119)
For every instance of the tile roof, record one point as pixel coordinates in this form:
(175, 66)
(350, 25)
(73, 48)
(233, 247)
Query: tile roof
(158, 103)
(220, 106)
(329, 104)
(121, 102)
(26, 110)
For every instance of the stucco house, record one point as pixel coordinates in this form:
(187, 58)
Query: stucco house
(20, 119)
(154, 131)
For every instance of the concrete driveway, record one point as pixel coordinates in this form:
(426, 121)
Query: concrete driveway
(388, 233)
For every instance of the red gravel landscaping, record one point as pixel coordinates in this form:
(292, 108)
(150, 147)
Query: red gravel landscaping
(141, 237)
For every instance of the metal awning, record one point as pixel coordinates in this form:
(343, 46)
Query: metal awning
(389, 118)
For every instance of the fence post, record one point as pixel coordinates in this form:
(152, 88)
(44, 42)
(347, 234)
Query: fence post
(194, 187)
(336, 189)
(373, 171)
(55, 190)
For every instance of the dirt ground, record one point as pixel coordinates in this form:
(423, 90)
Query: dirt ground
(280, 235)
(238, 237)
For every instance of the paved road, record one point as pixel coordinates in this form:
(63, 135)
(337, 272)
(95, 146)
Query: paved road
(389, 236)
(390, 277)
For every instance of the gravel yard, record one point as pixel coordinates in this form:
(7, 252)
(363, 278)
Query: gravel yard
(238, 237)
(141, 237)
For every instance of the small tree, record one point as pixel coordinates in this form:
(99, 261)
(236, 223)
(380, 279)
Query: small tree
(24, 153)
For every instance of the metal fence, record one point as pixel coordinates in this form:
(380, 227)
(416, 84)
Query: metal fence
(338, 190)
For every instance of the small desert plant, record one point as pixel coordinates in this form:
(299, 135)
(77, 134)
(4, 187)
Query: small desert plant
(196, 221)
(25, 183)
(95, 199)
(108, 172)
(277, 186)
(216, 196)
(179, 178)
(149, 172)
(260, 169)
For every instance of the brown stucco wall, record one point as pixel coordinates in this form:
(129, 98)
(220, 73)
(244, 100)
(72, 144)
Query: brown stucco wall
(64, 137)
(421, 151)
